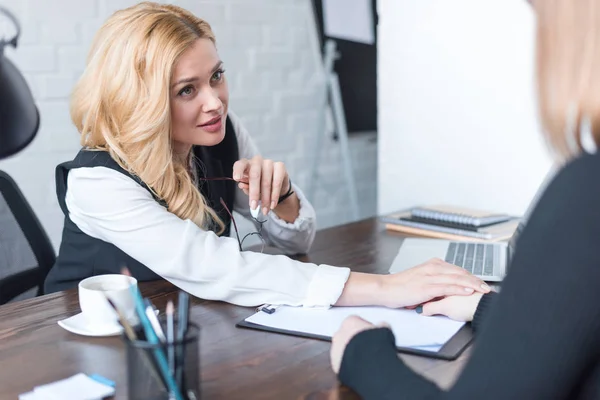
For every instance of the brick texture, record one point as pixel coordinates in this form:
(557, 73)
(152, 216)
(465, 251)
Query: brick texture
(273, 77)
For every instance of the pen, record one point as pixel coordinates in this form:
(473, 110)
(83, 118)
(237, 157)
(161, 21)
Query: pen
(184, 297)
(182, 322)
(427, 345)
(155, 324)
(170, 336)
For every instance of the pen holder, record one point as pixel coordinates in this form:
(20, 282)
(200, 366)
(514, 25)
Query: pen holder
(146, 379)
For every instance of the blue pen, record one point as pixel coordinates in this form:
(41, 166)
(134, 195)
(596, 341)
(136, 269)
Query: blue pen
(153, 339)
(426, 346)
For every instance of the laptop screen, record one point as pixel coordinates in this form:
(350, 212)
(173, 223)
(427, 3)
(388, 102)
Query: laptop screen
(515, 237)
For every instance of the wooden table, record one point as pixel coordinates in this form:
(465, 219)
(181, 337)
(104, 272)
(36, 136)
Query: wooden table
(235, 363)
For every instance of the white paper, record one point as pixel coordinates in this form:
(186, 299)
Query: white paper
(410, 329)
(77, 387)
(349, 19)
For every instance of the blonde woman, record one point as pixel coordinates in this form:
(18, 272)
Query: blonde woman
(539, 338)
(148, 190)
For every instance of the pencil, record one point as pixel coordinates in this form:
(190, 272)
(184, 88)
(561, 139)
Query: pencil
(170, 336)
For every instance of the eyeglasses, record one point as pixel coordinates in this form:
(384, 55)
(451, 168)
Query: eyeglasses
(259, 221)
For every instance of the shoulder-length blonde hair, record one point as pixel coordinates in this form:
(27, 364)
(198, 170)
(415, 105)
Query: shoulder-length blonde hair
(568, 71)
(121, 103)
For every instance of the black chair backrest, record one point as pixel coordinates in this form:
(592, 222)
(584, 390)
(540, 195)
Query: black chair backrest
(26, 253)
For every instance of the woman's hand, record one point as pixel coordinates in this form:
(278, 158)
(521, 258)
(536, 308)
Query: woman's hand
(412, 287)
(432, 279)
(459, 308)
(266, 181)
(351, 326)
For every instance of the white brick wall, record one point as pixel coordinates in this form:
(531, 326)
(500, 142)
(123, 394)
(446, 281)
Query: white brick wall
(267, 46)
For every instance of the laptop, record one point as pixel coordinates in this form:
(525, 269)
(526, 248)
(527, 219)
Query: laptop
(488, 261)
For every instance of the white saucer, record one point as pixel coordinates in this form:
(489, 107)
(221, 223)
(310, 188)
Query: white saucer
(78, 324)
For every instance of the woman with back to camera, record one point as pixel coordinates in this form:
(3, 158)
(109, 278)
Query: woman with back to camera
(149, 189)
(539, 338)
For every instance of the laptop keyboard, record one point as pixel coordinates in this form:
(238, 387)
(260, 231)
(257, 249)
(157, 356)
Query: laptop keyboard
(477, 258)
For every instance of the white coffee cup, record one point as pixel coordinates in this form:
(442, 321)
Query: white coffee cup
(94, 291)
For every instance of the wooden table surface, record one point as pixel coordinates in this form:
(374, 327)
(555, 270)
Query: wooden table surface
(235, 363)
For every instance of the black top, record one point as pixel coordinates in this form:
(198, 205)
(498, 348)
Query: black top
(81, 256)
(540, 337)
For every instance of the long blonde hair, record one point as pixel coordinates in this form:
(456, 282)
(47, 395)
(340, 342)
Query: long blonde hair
(121, 103)
(568, 71)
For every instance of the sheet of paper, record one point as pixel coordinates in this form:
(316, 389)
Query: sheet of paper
(349, 20)
(77, 387)
(411, 329)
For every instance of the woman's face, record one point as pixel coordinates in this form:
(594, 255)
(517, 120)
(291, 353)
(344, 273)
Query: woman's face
(199, 98)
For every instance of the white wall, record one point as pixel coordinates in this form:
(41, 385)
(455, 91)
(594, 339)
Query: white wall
(273, 77)
(457, 114)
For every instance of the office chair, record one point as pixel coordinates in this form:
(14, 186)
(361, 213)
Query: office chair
(26, 254)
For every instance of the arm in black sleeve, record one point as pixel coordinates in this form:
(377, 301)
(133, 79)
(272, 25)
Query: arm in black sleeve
(483, 310)
(541, 336)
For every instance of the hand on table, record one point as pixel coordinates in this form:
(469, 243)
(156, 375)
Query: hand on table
(425, 282)
(351, 326)
(458, 308)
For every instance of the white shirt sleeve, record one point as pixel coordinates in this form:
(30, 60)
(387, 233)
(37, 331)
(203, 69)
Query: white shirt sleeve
(291, 238)
(110, 206)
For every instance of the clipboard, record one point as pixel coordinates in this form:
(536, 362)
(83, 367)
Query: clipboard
(451, 350)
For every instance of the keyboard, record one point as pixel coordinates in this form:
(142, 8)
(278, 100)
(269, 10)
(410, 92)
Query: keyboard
(477, 258)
